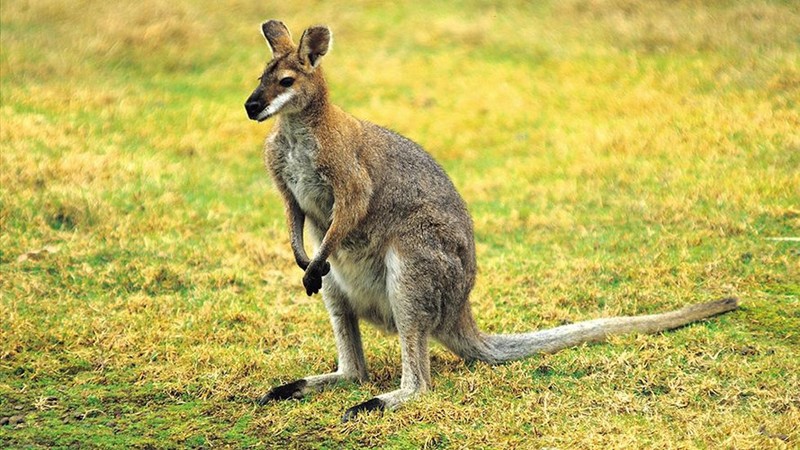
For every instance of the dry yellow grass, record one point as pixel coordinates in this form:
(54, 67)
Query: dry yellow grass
(618, 156)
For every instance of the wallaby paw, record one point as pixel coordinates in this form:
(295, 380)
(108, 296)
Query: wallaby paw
(374, 404)
(312, 280)
(293, 390)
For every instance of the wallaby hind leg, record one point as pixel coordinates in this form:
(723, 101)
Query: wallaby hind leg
(407, 292)
(351, 366)
(415, 380)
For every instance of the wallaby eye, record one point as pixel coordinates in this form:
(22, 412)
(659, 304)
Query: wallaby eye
(286, 82)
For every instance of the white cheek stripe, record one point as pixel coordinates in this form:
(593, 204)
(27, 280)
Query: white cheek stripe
(276, 104)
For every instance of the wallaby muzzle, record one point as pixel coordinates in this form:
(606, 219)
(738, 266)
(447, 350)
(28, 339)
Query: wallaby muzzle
(255, 104)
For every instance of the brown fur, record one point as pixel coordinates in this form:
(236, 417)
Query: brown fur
(394, 241)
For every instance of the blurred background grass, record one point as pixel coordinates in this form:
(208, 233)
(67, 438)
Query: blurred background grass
(618, 157)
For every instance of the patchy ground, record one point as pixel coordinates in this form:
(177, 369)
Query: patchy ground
(617, 156)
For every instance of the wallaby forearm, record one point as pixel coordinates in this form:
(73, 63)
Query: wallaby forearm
(297, 219)
(352, 191)
(351, 196)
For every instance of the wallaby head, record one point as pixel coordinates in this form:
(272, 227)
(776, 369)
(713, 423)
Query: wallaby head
(292, 80)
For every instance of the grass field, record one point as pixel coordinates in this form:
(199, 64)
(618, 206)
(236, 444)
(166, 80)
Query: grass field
(618, 157)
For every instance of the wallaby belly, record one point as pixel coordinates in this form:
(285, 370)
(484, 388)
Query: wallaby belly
(362, 278)
(361, 275)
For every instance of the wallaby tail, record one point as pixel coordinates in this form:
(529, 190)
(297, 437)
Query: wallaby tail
(471, 344)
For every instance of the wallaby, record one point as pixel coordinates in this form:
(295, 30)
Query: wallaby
(394, 241)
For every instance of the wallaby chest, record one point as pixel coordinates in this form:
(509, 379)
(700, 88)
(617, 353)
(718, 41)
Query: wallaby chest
(357, 266)
(296, 150)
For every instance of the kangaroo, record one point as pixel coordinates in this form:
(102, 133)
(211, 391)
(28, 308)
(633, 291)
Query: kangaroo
(394, 241)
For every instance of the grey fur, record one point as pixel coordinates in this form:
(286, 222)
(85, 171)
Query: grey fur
(407, 265)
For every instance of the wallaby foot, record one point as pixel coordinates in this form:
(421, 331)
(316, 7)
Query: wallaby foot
(299, 388)
(373, 404)
(294, 390)
(389, 401)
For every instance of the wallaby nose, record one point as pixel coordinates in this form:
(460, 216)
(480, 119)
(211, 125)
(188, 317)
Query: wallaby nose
(254, 104)
(253, 107)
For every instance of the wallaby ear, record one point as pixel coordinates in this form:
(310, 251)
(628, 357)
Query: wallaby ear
(314, 44)
(278, 37)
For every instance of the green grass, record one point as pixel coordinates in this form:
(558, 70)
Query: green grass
(618, 157)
